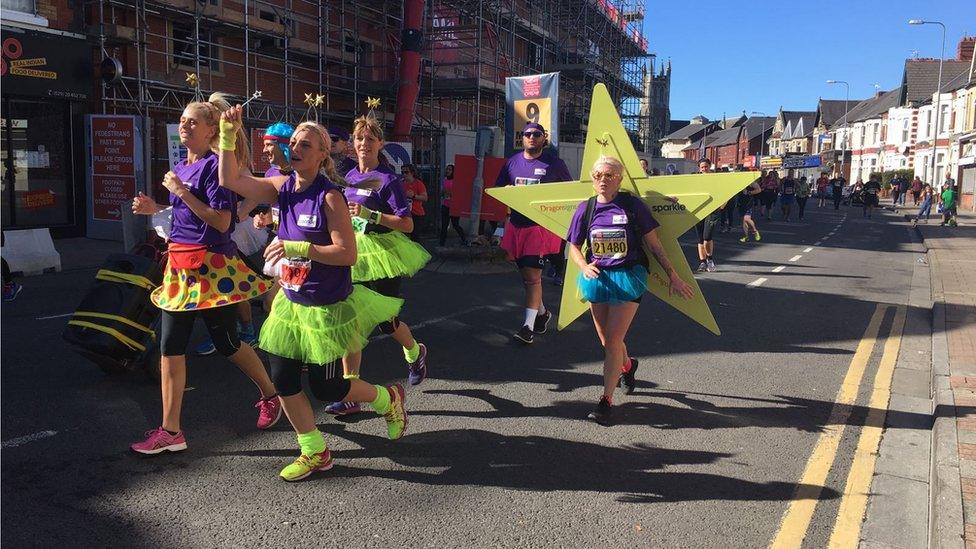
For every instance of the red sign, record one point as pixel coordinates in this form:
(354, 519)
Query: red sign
(110, 195)
(113, 146)
(35, 200)
(531, 87)
(464, 170)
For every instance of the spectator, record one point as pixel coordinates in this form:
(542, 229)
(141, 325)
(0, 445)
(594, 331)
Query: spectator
(10, 288)
(895, 190)
(446, 189)
(416, 192)
(643, 163)
(916, 189)
(926, 208)
(947, 202)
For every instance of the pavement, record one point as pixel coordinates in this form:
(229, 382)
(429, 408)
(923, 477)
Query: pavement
(811, 411)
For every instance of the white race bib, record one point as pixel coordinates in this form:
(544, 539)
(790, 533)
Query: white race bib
(609, 243)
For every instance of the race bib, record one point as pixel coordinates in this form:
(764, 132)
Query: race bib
(308, 221)
(620, 219)
(609, 243)
(364, 192)
(358, 225)
(519, 181)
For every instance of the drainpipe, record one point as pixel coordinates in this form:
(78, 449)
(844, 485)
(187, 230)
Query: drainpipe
(409, 85)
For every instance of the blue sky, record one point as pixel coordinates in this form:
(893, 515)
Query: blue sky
(728, 56)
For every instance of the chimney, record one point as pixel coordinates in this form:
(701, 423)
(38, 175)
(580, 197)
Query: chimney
(965, 50)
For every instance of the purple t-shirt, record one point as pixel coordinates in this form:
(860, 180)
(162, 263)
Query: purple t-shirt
(518, 170)
(273, 171)
(379, 190)
(614, 243)
(201, 178)
(302, 217)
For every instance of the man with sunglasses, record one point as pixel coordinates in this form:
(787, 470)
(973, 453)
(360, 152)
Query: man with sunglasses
(525, 242)
(340, 151)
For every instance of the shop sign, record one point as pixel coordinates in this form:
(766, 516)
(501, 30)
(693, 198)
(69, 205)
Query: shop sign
(46, 65)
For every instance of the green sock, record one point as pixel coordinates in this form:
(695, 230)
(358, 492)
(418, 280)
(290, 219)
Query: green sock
(311, 442)
(413, 353)
(382, 402)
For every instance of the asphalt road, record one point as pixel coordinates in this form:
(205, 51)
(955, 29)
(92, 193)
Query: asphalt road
(707, 453)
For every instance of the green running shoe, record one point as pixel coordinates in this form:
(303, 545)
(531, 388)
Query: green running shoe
(306, 465)
(396, 416)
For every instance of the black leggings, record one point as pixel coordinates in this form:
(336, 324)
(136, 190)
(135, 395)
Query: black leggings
(802, 204)
(325, 380)
(455, 223)
(7, 277)
(389, 287)
(221, 322)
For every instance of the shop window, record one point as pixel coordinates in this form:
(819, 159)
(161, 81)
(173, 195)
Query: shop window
(185, 46)
(23, 6)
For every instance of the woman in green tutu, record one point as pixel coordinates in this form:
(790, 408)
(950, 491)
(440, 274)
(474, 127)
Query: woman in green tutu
(381, 216)
(319, 316)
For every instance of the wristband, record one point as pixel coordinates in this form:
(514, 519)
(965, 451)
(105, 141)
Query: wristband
(296, 248)
(228, 136)
(372, 216)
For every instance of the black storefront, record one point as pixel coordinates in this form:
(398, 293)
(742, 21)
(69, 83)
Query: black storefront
(47, 79)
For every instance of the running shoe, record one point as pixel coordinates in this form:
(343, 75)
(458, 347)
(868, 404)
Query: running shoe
(269, 411)
(343, 408)
(11, 291)
(417, 371)
(542, 322)
(205, 348)
(630, 381)
(603, 412)
(306, 465)
(702, 267)
(758, 236)
(396, 416)
(159, 440)
(744, 239)
(525, 334)
(710, 266)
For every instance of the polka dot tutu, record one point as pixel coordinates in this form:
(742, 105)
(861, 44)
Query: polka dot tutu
(220, 281)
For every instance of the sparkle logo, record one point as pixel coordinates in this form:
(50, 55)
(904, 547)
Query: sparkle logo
(12, 62)
(673, 206)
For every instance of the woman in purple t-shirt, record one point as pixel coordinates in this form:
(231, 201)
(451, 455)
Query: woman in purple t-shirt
(615, 227)
(319, 316)
(203, 276)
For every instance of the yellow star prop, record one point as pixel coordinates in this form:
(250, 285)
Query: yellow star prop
(677, 202)
(309, 100)
(372, 102)
(192, 80)
(319, 100)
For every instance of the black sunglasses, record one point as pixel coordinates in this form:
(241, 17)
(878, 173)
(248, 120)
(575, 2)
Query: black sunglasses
(532, 134)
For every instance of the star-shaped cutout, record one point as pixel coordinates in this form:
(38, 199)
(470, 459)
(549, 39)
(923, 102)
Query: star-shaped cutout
(192, 80)
(309, 100)
(319, 100)
(372, 103)
(678, 202)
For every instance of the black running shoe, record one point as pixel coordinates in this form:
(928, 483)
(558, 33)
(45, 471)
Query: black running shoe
(629, 380)
(525, 334)
(541, 322)
(601, 414)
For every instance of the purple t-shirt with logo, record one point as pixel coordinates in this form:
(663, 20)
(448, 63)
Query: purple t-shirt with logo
(518, 170)
(379, 190)
(612, 237)
(302, 217)
(273, 171)
(201, 179)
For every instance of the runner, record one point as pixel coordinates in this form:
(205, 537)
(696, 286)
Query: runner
(203, 276)
(770, 187)
(823, 185)
(381, 215)
(837, 185)
(787, 195)
(525, 242)
(745, 201)
(705, 228)
(802, 195)
(319, 316)
(871, 190)
(615, 226)
(340, 150)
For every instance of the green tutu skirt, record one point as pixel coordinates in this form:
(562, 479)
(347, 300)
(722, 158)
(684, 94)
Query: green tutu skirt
(387, 255)
(321, 334)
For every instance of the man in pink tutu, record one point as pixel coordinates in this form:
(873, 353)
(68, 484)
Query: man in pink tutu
(526, 243)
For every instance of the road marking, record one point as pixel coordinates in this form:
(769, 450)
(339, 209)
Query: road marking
(779, 269)
(20, 441)
(756, 283)
(796, 521)
(847, 528)
(808, 250)
(439, 319)
(831, 233)
(53, 316)
(795, 258)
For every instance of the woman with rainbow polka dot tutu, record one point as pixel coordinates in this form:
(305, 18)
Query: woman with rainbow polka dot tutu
(204, 275)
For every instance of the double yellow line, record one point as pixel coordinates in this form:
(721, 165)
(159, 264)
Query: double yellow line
(847, 527)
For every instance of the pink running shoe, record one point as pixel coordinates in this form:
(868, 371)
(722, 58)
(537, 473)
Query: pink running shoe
(269, 411)
(158, 441)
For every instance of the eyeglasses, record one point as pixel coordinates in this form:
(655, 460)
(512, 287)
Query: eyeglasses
(532, 134)
(599, 176)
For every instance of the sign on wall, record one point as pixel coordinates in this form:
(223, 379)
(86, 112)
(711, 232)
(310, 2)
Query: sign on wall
(116, 170)
(532, 98)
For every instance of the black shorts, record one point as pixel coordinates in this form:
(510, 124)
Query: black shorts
(705, 228)
(531, 262)
(767, 198)
(390, 287)
(870, 199)
(221, 323)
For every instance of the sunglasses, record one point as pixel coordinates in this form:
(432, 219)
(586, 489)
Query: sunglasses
(532, 134)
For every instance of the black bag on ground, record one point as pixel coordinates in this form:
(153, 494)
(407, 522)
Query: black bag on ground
(113, 324)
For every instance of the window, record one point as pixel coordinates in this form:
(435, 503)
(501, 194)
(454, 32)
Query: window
(185, 46)
(23, 6)
(904, 131)
(944, 119)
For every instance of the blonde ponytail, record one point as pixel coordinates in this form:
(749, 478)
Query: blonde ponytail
(211, 109)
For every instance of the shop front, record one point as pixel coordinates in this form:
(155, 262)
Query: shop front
(46, 82)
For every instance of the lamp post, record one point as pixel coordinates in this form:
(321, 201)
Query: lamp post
(847, 98)
(938, 92)
(762, 138)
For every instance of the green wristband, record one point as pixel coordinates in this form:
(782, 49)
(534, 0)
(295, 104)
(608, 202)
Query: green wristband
(296, 248)
(228, 136)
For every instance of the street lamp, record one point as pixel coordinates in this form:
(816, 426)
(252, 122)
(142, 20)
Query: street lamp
(762, 138)
(938, 91)
(847, 98)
